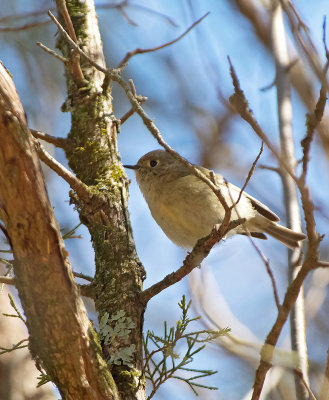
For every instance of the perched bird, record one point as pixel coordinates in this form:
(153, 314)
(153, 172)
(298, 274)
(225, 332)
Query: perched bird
(187, 209)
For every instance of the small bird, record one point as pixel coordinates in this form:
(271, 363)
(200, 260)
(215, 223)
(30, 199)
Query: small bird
(187, 209)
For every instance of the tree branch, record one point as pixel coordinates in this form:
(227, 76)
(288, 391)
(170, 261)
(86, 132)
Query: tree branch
(24, 27)
(141, 100)
(240, 103)
(192, 260)
(42, 270)
(53, 53)
(130, 54)
(114, 74)
(75, 58)
(64, 173)
(56, 141)
(292, 209)
(7, 280)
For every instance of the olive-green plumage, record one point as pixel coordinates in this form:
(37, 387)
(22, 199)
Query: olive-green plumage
(187, 209)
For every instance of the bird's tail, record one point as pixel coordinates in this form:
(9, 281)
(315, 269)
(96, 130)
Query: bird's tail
(284, 235)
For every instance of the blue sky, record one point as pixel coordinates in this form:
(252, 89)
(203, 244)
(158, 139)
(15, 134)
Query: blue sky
(177, 80)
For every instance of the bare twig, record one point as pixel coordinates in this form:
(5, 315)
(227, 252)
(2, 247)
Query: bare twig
(70, 178)
(312, 121)
(269, 271)
(251, 171)
(130, 54)
(240, 103)
(56, 141)
(262, 256)
(141, 100)
(310, 263)
(16, 346)
(192, 260)
(75, 46)
(270, 168)
(324, 264)
(7, 280)
(324, 36)
(302, 36)
(24, 27)
(148, 122)
(125, 3)
(76, 67)
(52, 53)
(18, 314)
(83, 276)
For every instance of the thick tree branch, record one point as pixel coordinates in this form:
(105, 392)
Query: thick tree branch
(42, 271)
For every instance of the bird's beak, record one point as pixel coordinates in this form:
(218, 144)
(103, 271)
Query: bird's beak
(132, 166)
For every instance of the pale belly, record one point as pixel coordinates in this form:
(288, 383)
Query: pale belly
(186, 214)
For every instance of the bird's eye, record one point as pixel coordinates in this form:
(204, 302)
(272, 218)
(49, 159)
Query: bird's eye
(153, 163)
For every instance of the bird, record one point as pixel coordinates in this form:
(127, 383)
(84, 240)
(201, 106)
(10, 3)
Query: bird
(187, 209)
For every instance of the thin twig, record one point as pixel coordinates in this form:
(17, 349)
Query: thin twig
(148, 122)
(125, 3)
(260, 253)
(18, 314)
(83, 276)
(269, 271)
(24, 27)
(324, 264)
(192, 260)
(70, 178)
(310, 263)
(324, 37)
(130, 54)
(7, 280)
(76, 67)
(14, 347)
(75, 46)
(312, 121)
(270, 168)
(56, 141)
(240, 103)
(141, 100)
(52, 53)
(251, 171)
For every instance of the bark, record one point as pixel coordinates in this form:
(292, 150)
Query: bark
(93, 156)
(56, 318)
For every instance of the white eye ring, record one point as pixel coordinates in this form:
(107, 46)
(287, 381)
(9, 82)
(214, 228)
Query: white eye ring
(153, 163)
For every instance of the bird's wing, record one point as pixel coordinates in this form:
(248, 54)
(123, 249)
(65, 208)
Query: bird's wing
(262, 209)
(257, 205)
